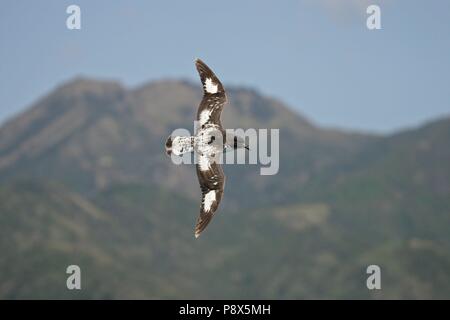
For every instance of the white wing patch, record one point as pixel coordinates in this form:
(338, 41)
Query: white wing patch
(210, 86)
(210, 198)
(204, 116)
(203, 163)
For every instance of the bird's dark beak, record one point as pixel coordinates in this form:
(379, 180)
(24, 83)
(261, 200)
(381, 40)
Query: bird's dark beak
(246, 147)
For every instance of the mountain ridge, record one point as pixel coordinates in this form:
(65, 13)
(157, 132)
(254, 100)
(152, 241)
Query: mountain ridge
(84, 179)
(82, 111)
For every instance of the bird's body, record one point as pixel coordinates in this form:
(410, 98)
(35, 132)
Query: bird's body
(209, 142)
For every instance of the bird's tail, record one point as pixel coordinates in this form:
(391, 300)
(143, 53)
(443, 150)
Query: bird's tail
(179, 145)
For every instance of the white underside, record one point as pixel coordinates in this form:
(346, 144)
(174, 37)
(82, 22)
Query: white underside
(204, 146)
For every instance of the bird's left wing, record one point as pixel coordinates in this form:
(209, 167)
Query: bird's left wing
(214, 97)
(212, 181)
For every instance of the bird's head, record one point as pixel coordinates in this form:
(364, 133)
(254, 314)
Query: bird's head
(238, 143)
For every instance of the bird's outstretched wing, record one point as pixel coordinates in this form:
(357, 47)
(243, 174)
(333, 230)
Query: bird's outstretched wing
(214, 97)
(212, 182)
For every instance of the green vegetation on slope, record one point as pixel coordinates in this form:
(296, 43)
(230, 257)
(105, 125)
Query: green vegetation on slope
(84, 180)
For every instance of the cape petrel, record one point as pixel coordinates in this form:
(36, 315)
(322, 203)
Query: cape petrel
(209, 142)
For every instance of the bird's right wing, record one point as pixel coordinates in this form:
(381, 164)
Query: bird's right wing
(212, 181)
(214, 97)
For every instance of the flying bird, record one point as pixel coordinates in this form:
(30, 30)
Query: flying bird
(209, 142)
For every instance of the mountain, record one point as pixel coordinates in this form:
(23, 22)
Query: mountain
(84, 180)
(93, 134)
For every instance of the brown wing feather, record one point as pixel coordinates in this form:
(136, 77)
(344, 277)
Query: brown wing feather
(211, 180)
(213, 101)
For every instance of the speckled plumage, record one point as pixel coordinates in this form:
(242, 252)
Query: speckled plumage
(209, 143)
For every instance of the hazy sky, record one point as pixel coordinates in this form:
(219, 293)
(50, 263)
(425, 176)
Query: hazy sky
(315, 55)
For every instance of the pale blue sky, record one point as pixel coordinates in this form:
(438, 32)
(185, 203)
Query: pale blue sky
(315, 55)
